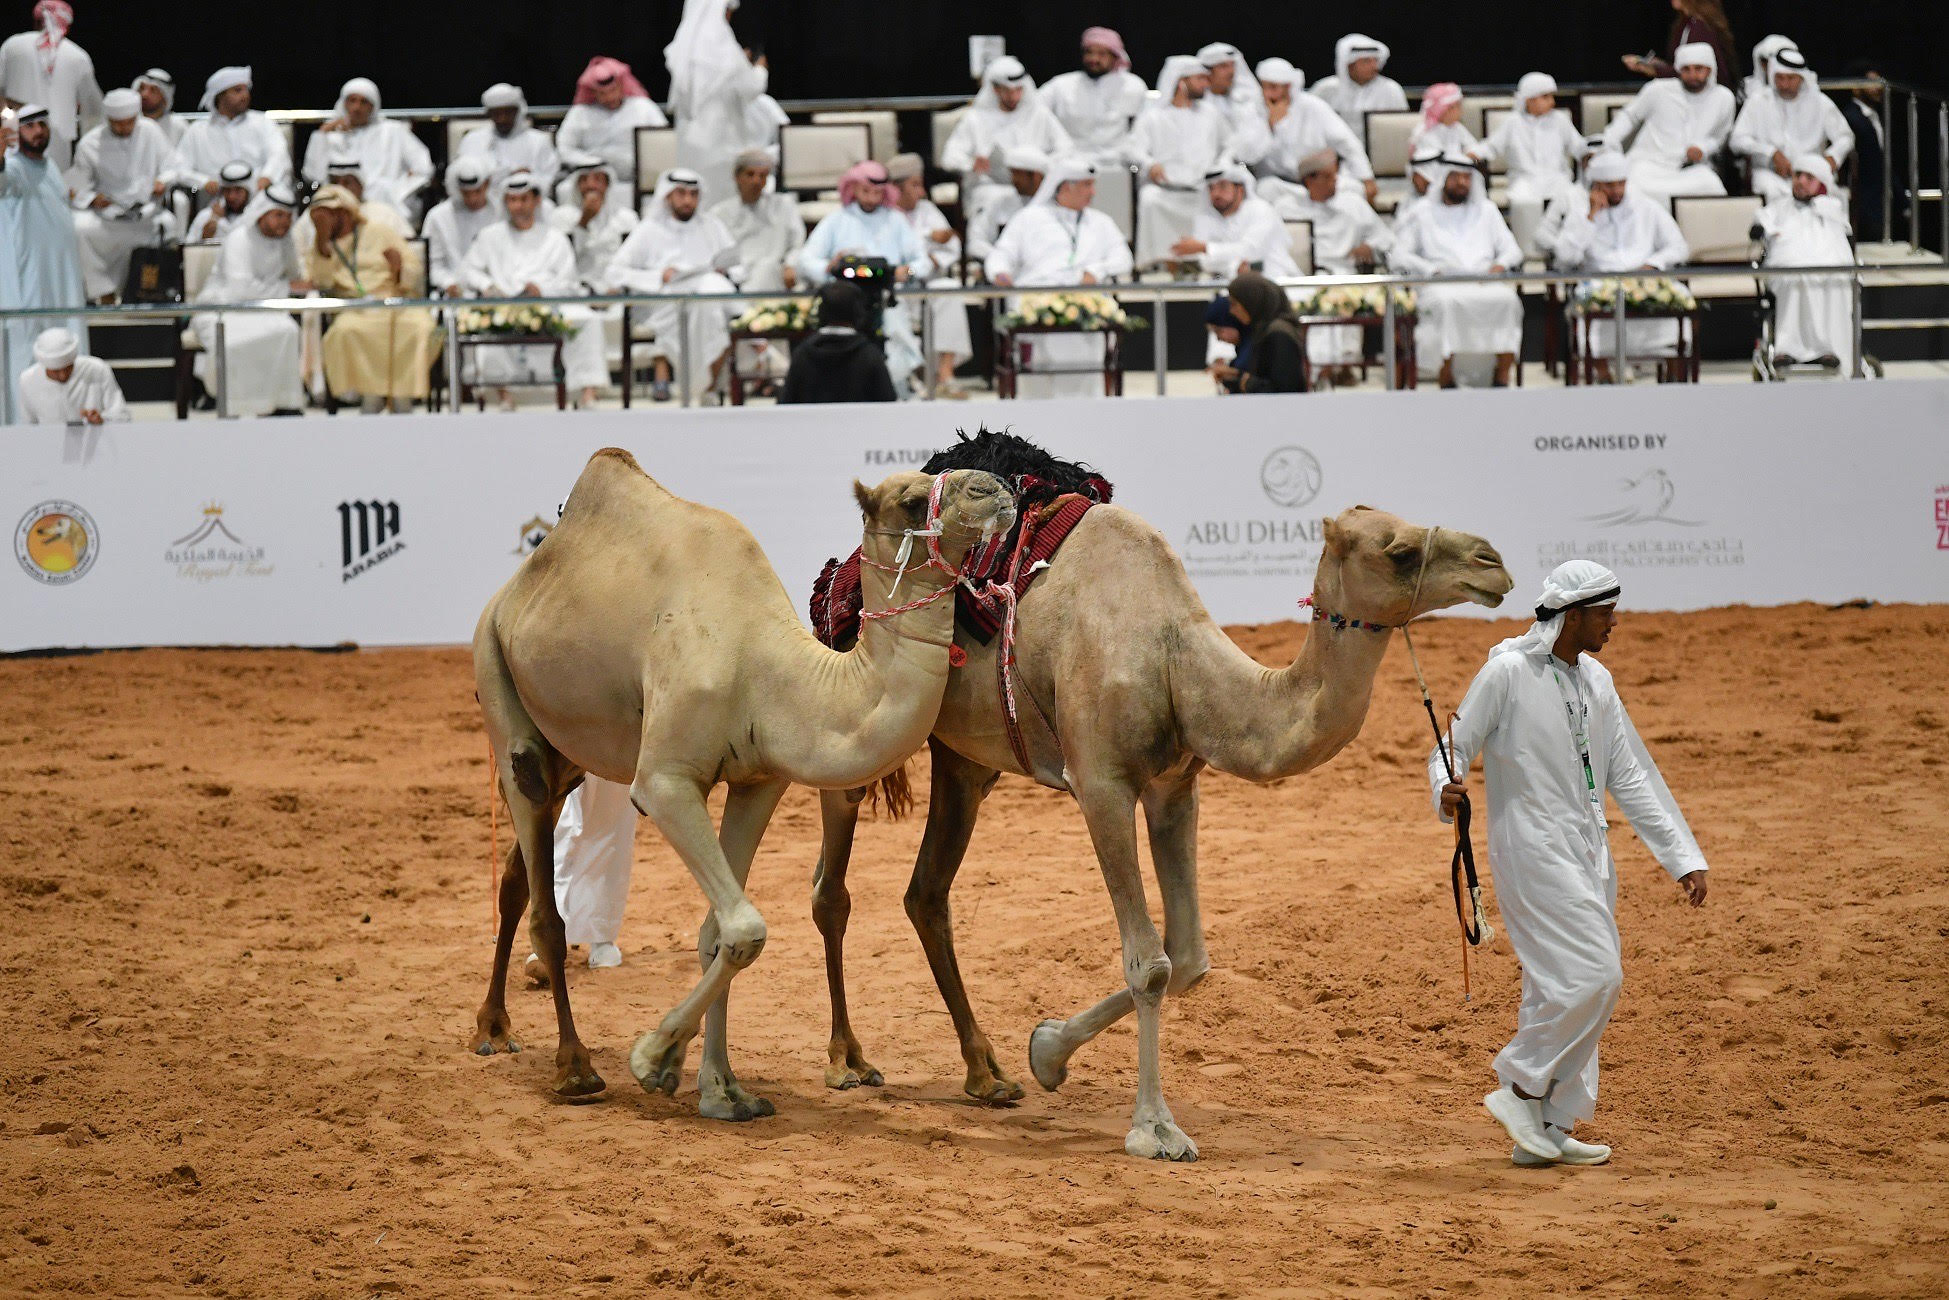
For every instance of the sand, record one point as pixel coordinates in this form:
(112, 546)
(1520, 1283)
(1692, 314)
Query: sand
(246, 914)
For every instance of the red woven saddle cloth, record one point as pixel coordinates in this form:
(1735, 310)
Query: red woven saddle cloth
(836, 595)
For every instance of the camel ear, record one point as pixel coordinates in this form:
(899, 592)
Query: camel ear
(1400, 547)
(1338, 540)
(868, 498)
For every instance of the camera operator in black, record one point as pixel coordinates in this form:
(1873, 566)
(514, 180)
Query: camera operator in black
(842, 362)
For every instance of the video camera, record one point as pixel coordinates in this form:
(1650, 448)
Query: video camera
(874, 278)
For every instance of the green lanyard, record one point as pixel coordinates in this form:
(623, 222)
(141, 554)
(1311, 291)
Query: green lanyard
(1579, 715)
(352, 262)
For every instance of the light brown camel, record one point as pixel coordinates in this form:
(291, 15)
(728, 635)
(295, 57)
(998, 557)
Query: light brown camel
(1146, 691)
(649, 642)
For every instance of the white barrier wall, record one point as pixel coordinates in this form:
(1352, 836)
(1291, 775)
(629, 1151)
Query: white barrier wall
(396, 530)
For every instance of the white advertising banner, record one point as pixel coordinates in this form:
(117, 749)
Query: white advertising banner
(394, 531)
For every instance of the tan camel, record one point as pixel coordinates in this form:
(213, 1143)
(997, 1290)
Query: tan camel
(649, 642)
(1146, 691)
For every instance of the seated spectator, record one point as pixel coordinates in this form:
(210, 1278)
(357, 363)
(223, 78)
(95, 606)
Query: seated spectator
(678, 250)
(596, 225)
(158, 92)
(64, 387)
(1760, 80)
(1790, 121)
(236, 186)
(1301, 126)
(521, 257)
(453, 223)
(1676, 127)
(1237, 231)
(1813, 316)
(948, 339)
(1348, 238)
(1177, 140)
(769, 232)
(600, 127)
(1441, 123)
(869, 225)
(393, 166)
(1621, 231)
(1272, 356)
(348, 174)
(839, 363)
(1576, 199)
(1357, 87)
(117, 183)
(1862, 112)
(509, 142)
(233, 132)
(260, 360)
(1097, 103)
(1234, 90)
(1006, 115)
(1539, 149)
(1026, 168)
(1425, 167)
(1227, 344)
(1457, 231)
(381, 358)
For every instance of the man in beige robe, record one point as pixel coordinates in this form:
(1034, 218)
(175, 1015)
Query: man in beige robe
(381, 356)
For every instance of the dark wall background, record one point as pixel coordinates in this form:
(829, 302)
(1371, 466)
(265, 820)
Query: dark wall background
(425, 55)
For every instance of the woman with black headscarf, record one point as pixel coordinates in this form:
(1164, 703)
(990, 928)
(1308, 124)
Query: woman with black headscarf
(1275, 357)
(840, 363)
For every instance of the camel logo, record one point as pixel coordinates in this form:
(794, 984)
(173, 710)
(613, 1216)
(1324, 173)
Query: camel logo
(533, 534)
(1291, 477)
(210, 551)
(368, 534)
(56, 543)
(1646, 499)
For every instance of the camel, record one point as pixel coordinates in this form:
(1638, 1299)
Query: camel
(648, 641)
(1143, 690)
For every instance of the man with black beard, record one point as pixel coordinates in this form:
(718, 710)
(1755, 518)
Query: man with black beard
(1097, 103)
(40, 258)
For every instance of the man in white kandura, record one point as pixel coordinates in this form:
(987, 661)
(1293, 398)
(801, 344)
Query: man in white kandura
(1457, 231)
(117, 182)
(1789, 121)
(452, 223)
(523, 257)
(1025, 169)
(1554, 738)
(233, 132)
(510, 143)
(597, 222)
(1007, 114)
(1675, 126)
(260, 360)
(1813, 316)
(676, 249)
(64, 387)
(40, 259)
(1177, 140)
(44, 67)
(236, 187)
(1061, 240)
(1621, 231)
(1348, 238)
(393, 165)
(1357, 87)
(1097, 103)
(600, 126)
(948, 339)
(1235, 91)
(717, 94)
(869, 225)
(769, 232)
(1237, 231)
(1539, 148)
(1301, 126)
(158, 91)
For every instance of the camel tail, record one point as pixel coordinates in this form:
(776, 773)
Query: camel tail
(892, 793)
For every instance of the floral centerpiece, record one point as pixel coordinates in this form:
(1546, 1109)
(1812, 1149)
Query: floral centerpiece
(1073, 311)
(1645, 296)
(1357, 300)
(776, 316)
(514, 318)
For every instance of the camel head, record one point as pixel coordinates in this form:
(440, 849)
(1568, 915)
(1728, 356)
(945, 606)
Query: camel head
(1372, 561)
(974, 506)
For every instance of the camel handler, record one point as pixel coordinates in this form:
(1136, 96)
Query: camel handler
(1554, 737)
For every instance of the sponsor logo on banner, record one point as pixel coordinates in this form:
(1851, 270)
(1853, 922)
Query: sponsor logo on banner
(533, 534)
(1942, 518)
(1254, 544)
(1643, 528)
(56, 543)
(368, 534)
(211, 551)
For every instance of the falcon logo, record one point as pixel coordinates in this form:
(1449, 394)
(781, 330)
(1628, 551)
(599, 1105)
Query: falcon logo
(1646, 499)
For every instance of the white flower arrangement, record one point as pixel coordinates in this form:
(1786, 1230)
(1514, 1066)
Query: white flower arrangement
(1357, 300)
(1648, 295)
(514, 318)
(775, 316)
(1077, 311)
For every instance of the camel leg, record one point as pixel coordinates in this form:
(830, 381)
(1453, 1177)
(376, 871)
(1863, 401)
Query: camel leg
(832, 906)
(1171, 817)
(676, 803)
(492, 1029)
(575, 1074)
(955, 792)
(747, 811)
(1110, 812)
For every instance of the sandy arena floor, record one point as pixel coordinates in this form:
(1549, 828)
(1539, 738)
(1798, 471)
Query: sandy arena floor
(245, 905)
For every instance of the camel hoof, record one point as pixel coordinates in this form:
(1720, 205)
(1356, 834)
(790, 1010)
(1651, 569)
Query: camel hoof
(491, 1033)
(536, 971)
(1160, 1140)
(658, 1063)
(499, 1043)
(579, 1084)
(844, 1078)
(994, 1090)
(1046, 1058)
(736, 1105)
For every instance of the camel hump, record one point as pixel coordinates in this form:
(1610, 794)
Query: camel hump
(611, 478)
(619, 455)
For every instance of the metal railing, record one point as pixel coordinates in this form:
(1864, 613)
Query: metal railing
(1158, 294)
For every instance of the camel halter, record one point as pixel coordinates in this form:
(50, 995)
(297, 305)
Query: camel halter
(977, 559)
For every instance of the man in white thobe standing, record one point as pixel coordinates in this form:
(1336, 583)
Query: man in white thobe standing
(1621, 231)
(393, 165)
(40, 261)
(44, 67)
(1301, 126)
(117, 183)
(524, 257)
(1348, 238)
(234, 131)
(1789, 121)
(1813, 316)
(948, 339)
(1554, 739)
(1007, 114)
(677, 249)
(718, 96)
(452, 224)
(1457, 231)
(64, 387)
(509, 142)
(1177, 140)
(1357, 87)
(1097, 103)
(1061, 240)
(1675, 127)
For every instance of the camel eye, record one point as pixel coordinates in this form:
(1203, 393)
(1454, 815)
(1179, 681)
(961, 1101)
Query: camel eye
(914, 506)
